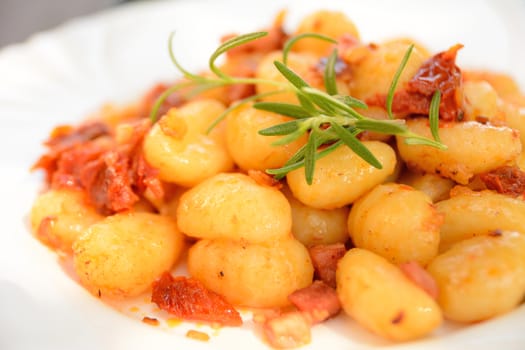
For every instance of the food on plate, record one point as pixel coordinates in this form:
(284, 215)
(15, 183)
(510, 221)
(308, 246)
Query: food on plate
(305, 175)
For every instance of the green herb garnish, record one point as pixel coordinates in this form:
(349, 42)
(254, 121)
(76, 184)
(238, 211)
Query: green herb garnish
(328, 119)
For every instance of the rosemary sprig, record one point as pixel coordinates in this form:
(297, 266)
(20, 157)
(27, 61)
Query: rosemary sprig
(328, 119)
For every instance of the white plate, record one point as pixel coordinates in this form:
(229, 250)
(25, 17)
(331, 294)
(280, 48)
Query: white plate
(62, 75)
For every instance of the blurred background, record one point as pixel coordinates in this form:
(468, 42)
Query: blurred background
(21, 18)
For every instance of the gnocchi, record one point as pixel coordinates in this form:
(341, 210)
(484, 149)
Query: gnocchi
(342, 176)
(396, 222)
(378, 295)
(493, 281)
(123, 254)
(180, 148)
(254, 275)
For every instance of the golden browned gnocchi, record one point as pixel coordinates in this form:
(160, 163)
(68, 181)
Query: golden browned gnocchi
(470, 214)
(312, 226)
(378, 295)
(234, 206)
(342, 176)
(372, 74)
(180, 149)
(481, 101)
(436, 187)
(396, 222)
(58, 217)
(248, 148)
(473, 148)
(481, 277)
(333, 24)
(255, 275)
(123, 254)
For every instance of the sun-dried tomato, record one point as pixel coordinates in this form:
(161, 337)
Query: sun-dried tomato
(188, 299)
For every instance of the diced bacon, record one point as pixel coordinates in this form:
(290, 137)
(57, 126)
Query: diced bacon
(509, 180)
(324, 259)
(188, 299)
(421, 278)
(289, 330)
(318, 299)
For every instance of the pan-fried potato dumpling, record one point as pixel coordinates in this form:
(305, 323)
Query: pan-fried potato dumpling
(312, 226)
(253, 275)
(515, 118)
(234, 206)
(372, 75)
(473, 148)
(481, 277)
(397, 222)
(333, 24)
(481, 100)
(381, 298)
(179, 147)
(436, 187)
(342, 176)
(470, 214)
(248, 148)
(58, 217)
(123, 254)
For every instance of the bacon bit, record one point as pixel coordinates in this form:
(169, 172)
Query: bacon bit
(150, 320)
(197, 335)
(398, 318)
(261, 316)
(289, 330)
(188, 299)
(264, 179)
(318, 299)
(324, 259)
(509, 180)
(420, 277)
(437, 73)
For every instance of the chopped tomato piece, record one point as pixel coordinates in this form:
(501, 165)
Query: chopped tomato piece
(188, 299)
